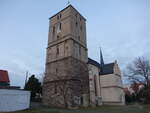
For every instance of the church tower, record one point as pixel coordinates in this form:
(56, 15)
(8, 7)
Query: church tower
(66, 74)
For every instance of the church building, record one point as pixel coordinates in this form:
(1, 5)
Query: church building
(105, 83)
(71, 79)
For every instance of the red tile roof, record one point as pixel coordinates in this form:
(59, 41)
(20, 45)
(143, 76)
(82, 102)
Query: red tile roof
(4, 76)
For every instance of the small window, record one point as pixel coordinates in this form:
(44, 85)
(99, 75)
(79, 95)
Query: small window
(76, 15)
(55, 88)
(57, 37)
(81, 27)
(59, 26)
(53, 29)
(66, 47)
(79, 50)
(80, 19)
(57, 17)
(57, 52)
(76, 24)
(78, 37)
(56, 70)
(95, 85)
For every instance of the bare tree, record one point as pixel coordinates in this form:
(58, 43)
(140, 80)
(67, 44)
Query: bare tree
(139, 71)
(63, 87)
(66, 86)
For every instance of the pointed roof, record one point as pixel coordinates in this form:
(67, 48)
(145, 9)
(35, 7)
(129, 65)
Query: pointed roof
(101, 59)
(93, 62)
(107, 68)
(4, 76)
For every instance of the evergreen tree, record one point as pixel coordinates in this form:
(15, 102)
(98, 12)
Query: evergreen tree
(34, 86)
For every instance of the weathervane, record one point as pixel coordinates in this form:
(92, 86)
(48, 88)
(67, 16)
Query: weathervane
(68, 3)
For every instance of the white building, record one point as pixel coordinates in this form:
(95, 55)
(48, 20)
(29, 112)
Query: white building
(14, 100)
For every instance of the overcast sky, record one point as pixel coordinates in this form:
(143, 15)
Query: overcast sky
(120, 27)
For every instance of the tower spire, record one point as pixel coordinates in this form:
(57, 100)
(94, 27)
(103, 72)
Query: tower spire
(101, 59)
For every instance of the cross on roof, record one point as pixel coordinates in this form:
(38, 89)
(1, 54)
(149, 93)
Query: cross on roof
(68, 3)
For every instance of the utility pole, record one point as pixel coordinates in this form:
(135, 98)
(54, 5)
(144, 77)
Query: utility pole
(26, 78)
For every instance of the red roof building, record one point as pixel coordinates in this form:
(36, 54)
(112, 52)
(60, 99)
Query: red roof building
(4, 78)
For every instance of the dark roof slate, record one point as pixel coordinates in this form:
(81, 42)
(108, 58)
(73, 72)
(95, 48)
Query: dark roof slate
(107, 68)
(93, 62)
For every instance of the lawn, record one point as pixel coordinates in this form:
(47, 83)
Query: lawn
(103, 109)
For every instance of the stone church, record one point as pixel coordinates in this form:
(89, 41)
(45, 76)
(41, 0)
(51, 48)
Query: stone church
(105, 83)
(71, 78)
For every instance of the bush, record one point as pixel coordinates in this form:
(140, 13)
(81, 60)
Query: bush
(146, 95)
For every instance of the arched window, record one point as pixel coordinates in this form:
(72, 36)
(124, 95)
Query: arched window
(81, 27)
(95, 85)
(57, 51)
(59, 26)
(53, 30)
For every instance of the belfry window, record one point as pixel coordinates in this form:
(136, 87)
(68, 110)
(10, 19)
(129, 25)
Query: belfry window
(57, 51)
(53, 30)
(59, 26)
(57, 17)
(76, 15)
(76, 24)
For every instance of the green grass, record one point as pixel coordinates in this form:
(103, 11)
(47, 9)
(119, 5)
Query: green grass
(36, 111)
(147, 107)
(117, 109)
(102, 109)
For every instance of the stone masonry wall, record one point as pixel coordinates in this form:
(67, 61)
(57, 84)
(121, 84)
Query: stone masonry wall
(70, 75)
